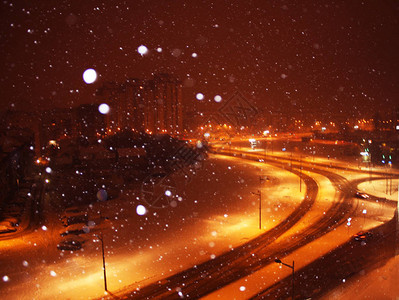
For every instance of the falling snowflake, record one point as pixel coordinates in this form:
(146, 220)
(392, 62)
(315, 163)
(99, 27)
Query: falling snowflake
(89, 76)
(103, 108)
(199, 96)
(141, 210)
(142, 50)
(218, 98)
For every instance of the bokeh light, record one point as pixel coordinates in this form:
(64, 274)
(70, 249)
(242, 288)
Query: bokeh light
(141, 210)
(142, 50)
(103, 108)
(89, 76)
(199, 96)
(218, 98)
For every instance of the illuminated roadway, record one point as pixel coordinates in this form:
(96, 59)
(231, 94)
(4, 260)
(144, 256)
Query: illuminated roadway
(258, 253)
(165, 253)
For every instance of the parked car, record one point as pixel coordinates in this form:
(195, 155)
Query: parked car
(7, 227)
(75, 229)
(74, 219)
(70, 245)
(73, 210)
(14, 221)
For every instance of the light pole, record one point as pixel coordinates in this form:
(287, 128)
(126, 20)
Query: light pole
(300, 175)
(291, 161)
(102, 248)
(390, 177)
(258, 193)
(293, 272)
(271, 144)
(265, 148)
(370, 172)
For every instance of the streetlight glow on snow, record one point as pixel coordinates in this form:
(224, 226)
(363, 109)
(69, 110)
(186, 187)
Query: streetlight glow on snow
(89, 76)
(141, 210)
(103, 108)
(142, 50)
(199, 96)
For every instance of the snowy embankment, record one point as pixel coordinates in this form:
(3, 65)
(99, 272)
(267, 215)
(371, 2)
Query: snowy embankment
(365, 215)
(382, 282)
(215, 211)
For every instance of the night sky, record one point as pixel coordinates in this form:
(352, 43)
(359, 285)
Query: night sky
(333, 55)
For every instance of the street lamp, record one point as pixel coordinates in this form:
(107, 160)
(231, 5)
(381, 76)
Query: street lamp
(258, 193)
(293, 271)
(300, 175)
(102, 248)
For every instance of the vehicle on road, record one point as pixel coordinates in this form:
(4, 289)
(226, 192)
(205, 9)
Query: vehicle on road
(253, 143)
(361, 195)
(362, 236)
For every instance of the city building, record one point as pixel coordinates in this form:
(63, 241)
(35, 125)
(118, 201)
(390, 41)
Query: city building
(153, 106)
(88, 123)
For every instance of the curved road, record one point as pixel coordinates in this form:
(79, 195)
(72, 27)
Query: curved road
(246, 259)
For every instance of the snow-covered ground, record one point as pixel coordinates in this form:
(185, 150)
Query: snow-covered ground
(217, 211)
(367, 215)
(380, 283)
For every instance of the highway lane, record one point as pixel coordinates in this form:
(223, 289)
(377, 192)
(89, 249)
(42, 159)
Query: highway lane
(338, 266)
(344, 206)
(258, 253)
(230, 266)
(245, 259)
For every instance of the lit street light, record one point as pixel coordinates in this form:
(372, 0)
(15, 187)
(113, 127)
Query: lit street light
(293, 272)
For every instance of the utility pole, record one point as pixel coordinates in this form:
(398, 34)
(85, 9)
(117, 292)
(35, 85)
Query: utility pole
(265, 148)
(258, 193)
(293, 274)
(300, 175)
(102, 248)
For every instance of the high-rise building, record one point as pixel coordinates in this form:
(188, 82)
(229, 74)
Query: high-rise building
(153, 106)
(134, 111)
(164, 106)
(89, 123)
(113, 94)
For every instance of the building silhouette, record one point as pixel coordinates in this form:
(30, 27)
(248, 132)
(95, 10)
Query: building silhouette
(153, 106)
